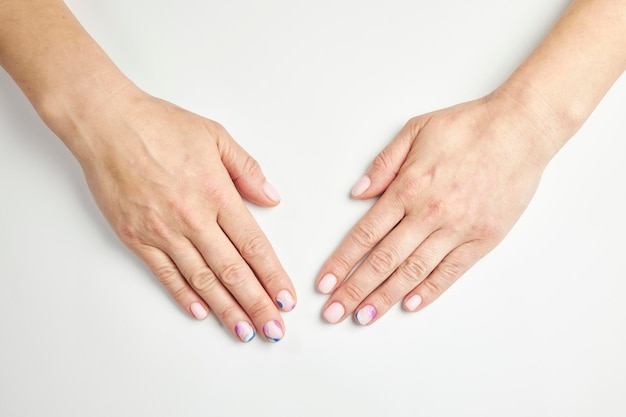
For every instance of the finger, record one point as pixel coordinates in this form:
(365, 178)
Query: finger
(377, 267)
(246, 172)
(407, 276)
(455, 264)
(383, 216)
(256, 250)
(206, 284)
(240, 281)
(170, 277)
(386, 165)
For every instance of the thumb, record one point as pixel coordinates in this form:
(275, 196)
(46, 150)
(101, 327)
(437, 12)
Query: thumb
(246, 173)
(387, 163)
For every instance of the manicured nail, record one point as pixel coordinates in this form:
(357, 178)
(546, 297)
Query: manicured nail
(198, 311)
(327, 283)
(271, 192)
(245, 331)
(413, 303)
(273, 331)
(334, 313)
(366, 314)
(285, 301)
(361, 186)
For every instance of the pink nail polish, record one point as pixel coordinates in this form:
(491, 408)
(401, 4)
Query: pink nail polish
(334, 313)
(198, 311)
(413, 303)
(273, 331)
(245, 331)
(271, 192)
(361, 186)
(285, 301)
(366, 315)
(327, 283)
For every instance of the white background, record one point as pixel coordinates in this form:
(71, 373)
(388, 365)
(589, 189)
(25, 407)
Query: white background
(314, 90)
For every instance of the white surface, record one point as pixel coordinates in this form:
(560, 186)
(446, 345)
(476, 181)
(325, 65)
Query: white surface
(314, 90)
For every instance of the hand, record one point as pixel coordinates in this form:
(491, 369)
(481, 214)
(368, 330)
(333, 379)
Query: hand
(168, 181)
(453, 183)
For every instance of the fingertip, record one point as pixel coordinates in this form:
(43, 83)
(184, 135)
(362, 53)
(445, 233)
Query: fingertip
(198, 311)
(327, 283)
(334, 313)
(413, 303)
(285, 300)
(271, 193)
(361, 186)
(244, 331)
(273, 331)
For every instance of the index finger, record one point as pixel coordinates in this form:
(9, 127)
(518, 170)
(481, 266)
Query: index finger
(377, 222)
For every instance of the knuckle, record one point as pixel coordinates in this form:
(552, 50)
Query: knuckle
(450, 270)
(260, 309)
(203, 280)
(489, 231)
(431, 289)
(250, 165)
(234, 275)
(273, 278)
(179, 292)
(411, 185)
(383, 261)
(342, 265)
(228, 313)
(167, 274)
(381, 162)
(364, 235)
(435, 208)
(128, 233)
(415, 269)
(353, 292)
(253, 248)
(155, 226)
(386, 298)
(214, 128)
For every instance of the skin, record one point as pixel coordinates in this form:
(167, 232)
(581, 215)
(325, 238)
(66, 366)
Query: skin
(454, 182)
(451, 184)
(169, 182)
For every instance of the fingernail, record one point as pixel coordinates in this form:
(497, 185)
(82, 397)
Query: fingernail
(198, 311)
(271, 192)
(273, 331)
(285, 301)
(327, 283)
(413, 303)
(361, 186)
(334, 313)
(245, 331)
(366, 314)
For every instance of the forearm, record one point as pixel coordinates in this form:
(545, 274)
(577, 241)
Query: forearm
(567, 75)
(55, 62)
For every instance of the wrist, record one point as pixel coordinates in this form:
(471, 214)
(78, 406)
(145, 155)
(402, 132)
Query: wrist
(69, 108)
(545, 125)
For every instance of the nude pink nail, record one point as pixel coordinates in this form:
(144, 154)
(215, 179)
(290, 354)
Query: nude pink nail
(198, 311)
(327, 283)
(334, 313)
(271, 192)
(413, 302)
(361, 186)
